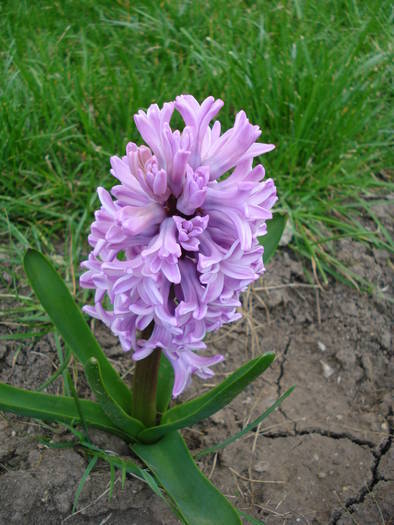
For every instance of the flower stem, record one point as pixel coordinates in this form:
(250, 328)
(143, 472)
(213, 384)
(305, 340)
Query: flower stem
(144, 388)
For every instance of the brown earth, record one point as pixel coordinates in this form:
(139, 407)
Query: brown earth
(324, 458)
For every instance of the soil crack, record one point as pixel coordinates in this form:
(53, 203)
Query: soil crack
(282, 367)
(364, 376)
(281, 373)
(336, 435)
(321, 432)
(373, 481)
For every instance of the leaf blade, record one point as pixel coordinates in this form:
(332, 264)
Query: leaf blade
(197, 500)
(55, 297)
(116, 414)
(54, 408)
(202, 407)
(270, 240)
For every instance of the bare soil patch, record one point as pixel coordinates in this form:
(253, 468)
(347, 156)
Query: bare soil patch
(325, 457)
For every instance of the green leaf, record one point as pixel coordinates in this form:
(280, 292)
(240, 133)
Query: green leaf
(59, 444)
(84, 478)
(165, 384)
(125, 466)
(54, 408)
(112, 480)
(68, 319)
(58, 372)
(67, 379)
(204, 406)
(251, 519)
(247, 429)
(78, 407)
(270, 240)
(150, 480)
(23, 336)
(116, 414)
(197, 500)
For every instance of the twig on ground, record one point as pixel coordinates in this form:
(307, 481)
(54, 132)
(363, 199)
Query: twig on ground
(344, 508)
(267, 313)
(215, 457)
(318, 306)
(90, 504)
(274, 512)
(254, 480)
(236, 482)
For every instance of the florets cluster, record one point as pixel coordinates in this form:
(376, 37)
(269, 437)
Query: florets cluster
(179, 243)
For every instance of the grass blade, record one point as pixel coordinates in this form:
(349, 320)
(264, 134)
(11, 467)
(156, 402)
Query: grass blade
(58, 372)
(22, 336)
(84, 478)
(247, 429)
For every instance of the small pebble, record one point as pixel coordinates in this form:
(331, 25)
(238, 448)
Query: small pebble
(385, 339)
(327, 369)
(287, 234)
(322, 347)
(218, 418)
(261, 466)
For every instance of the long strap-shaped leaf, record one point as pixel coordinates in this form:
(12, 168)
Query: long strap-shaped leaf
(68, 319)
(204, 406)
(116, 414)
(197, 500)
(54, 408)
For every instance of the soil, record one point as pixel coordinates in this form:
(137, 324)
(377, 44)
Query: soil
(325, 457)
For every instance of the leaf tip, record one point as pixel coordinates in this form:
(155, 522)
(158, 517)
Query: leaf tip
(269, 355)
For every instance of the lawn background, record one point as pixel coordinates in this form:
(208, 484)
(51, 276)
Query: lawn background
(314, 75)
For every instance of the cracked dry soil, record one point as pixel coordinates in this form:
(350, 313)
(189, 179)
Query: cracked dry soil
(325, 457)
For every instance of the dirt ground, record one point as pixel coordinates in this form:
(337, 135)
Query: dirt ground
(324, 458)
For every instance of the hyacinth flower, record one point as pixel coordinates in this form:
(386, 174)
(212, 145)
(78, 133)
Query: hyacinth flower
(174, 243)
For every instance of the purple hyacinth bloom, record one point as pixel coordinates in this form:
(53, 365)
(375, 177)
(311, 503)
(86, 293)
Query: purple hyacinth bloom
(176, 243)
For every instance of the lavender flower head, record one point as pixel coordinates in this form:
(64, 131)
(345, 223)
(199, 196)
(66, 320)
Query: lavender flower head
(176, 243)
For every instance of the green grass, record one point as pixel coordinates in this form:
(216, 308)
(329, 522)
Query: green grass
(314, 75)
